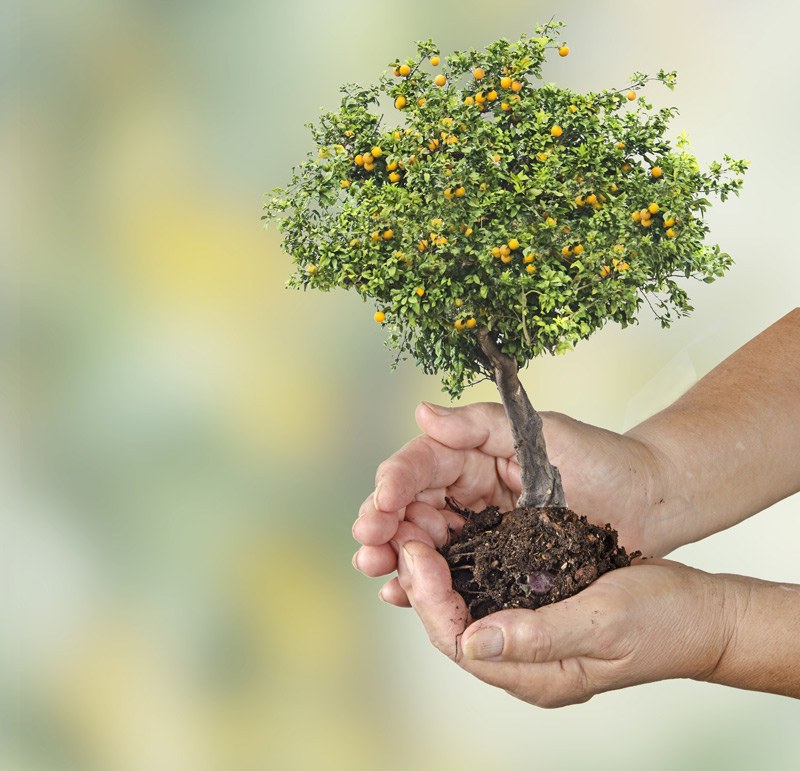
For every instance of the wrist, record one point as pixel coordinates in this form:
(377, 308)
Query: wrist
(666, 507)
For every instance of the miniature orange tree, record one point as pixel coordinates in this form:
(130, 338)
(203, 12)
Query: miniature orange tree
(493, 218)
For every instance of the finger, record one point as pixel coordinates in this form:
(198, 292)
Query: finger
(425, 577)
(432, 520)
(373, 527)
(374, 561)
(421, 464)
(481, 426)
(564, 630)
(394, 594)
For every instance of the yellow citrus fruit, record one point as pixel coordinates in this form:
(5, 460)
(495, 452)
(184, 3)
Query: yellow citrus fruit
(405, 70)
(513, 244)
(479, 73)
(551, 222)
(531, 269)
(492, 96)
(591, 199)
(469, 100)
(435, 61)
(496, 158)
(505, 82)
(311, 269)
(578, 249)
(505, 250)
(388, 234)
(566, 251)
(646, 223)
(440, 80)
(421, 101)
(506, 258)
(496, 252)
(604, 271)
(422, 245)
(669, 222)
(376, 152)
(671, 233)
(579, 200)
(369, 166)
(391, 166)
(563, 51)
(359, 160)
(653, 208)
(620, 145)
(556, 131)
(460, 192)
(529, 258)
(516, 86)
(480, 98)
(458, 302)
(631, 95)
(505, 106)
(656, 172)
(471, 323)
(400, 102)
(380, 317)
(459, 325)
(573, 108)
(419, 291)
(448, 193)
(541, 157)
(345, 183)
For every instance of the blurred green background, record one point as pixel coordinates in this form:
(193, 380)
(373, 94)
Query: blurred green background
(196, 440)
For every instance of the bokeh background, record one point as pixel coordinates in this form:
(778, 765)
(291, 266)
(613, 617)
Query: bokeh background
(186, 443)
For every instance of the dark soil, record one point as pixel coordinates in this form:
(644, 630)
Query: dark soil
(527, 558)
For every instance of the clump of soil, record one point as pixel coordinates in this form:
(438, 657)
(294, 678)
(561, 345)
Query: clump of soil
(527, 558)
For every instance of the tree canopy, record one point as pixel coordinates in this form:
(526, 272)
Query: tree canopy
(462, 193)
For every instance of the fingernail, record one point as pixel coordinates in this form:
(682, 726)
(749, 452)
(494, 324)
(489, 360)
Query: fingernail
(381, 595)
(409, 561)
(375, 496)
(486, 643)
(438, 409)
(355, 560)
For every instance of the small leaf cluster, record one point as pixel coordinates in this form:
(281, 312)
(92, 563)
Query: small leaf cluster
(463, 192)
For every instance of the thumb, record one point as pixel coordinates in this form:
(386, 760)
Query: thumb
(483, 426)
(564, 630)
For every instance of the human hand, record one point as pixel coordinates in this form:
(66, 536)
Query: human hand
(652, 621)
(467, 453)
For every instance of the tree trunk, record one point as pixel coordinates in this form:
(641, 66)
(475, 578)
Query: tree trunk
(541, 482)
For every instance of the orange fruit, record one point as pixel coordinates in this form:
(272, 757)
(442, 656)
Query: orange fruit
(671, 233)
(653, 208)
(419, 291)
(631, 95)
(604, 271)
(620, 145)
(516, 86)
(505, 250)
(656, 172)
(359, 160)
(529, 258)
(345, 183)
(492, 96)
(404, 70)
(496, 158)
(422, 245)
(376, 152)
(513, 244)
(496, 252)
(505, 82)
(505, 106)
(591, 199)
(541, 157)
(421, 101)
(440, 80)
(471, 323)
(380, 317)
(435, 61)
(400, 102)
(563, 51)
(459, 325)
(391, 166)
(578, 249)
(531, 269)
(369, 166)
(669, 222)
(556, 131)
(469, 100)
(460, 192)
(448, 193)
(566, 251)
(479, 73)
(579, 200)
(506, 258)
(388, 234)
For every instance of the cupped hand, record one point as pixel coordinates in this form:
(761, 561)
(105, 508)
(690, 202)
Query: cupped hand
(652, 621)
(467, 453)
